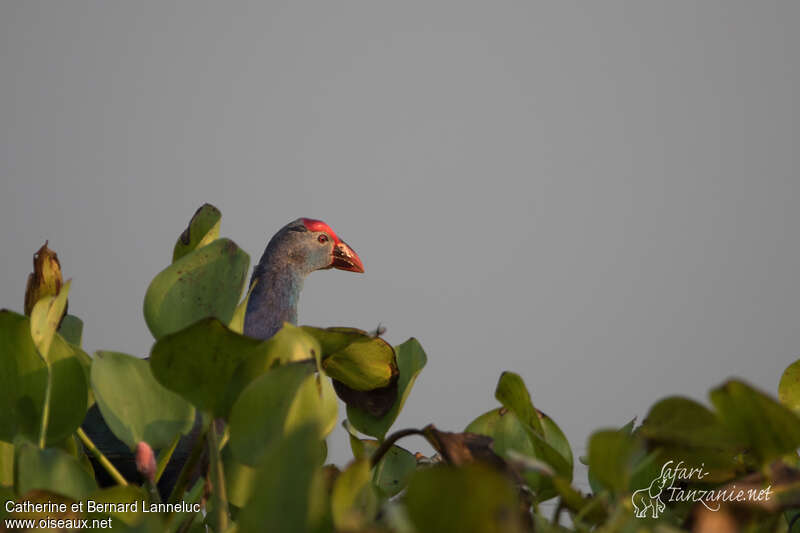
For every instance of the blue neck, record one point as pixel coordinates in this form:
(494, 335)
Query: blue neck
(273, 300)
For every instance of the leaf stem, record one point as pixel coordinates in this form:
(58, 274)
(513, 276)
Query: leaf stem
(46, 407)
(189, 466)
(387, 444)
(102, 459)
(220, 512)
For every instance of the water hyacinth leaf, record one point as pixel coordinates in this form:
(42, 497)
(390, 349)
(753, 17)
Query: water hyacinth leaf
(356, 443)
(789, 388)
(71, 329)
(682, 421)
(45, 318)
(23, 379)
(506, 430)
(611, 454)
(260, 415)
(315, 398)
(135, 406)
(353, 501)
(52, 470)
(283, 483)
(320, 517)
(289, 344)
(6, 464)
(237, 321)
(199, 361)
(411, 359)
(512, 394)
(353, 357)
(556, 439)
(474, 498)
(769, 428)
(510, 436)
(393, 471)
(239, 479)
(203, 229)
(206, 282)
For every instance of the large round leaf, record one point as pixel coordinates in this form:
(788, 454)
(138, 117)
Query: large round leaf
(209, 365)
(134, 405)
(199, 361)
(411, 359)
(52, 470)
(473, 498)
(289, 344)
(206, 282)
(23, 379)
(360, 361)
(789, 388)
(283, 483)
(265, 411)
(769, 428)
(353, 501)
(393, 471)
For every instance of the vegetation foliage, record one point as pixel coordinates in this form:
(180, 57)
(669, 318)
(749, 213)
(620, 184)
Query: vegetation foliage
(265, 409)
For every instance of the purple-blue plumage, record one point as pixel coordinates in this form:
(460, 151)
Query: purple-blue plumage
(298, 249)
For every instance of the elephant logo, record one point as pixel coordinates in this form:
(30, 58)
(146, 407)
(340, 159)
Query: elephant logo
(649, 499)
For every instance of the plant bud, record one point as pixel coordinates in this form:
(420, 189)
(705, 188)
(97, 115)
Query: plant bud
(146, 461)
(45, 280)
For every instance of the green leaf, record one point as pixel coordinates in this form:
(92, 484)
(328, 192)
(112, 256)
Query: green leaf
(261, 414)
(6, 464)
(470, 499)
(71, 329)
(239, 478)
(611, 454)
(505, 429)
(512, 394)
(23, 378)
(789, 388)
(289, 344)
(51, 470)
(45, 317)
(392, 473)
(205, 282)
(769, 428)
(282, 487)
(353, 500)
(511, 436)
(353, 357)
(199, 361)
(686, 430)
(356, 443)
(237, 321)
(411, 359)
(134, 405)
(677, 420)
(315, 400)
(203, 229)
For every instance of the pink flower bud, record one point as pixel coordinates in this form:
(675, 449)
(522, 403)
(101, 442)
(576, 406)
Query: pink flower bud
(146, 461)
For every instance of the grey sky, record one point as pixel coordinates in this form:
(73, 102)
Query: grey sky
(601, 196)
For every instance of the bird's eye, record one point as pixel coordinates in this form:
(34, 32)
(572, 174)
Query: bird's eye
(322, 239)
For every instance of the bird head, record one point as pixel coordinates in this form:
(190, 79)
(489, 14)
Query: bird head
(311, 245)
